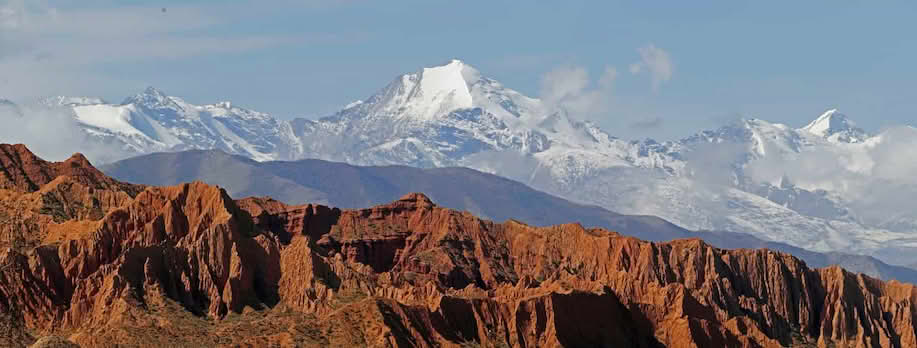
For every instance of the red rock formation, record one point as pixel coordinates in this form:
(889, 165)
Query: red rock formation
(42, 201)
(189, 266)
(21, 170)
(682, 293)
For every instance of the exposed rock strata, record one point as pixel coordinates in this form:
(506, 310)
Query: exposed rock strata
(189, 266)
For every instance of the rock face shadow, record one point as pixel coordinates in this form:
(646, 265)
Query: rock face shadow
(597, 320)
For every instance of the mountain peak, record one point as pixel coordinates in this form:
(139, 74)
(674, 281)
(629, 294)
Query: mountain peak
(150, 90)
(453, 77)
(150, 96)
(26, 172)
(78, 160)
(831, 119)
(416, 197)
(835, 126)
(430, 92)
(452, 64)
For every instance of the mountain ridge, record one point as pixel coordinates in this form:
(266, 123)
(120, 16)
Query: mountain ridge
(722, 179)
(485, 195)
(188, 265)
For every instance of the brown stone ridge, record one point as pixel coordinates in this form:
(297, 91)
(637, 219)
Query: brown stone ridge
(21, 170)
(189, 266)
(44, 202)
(680, 293)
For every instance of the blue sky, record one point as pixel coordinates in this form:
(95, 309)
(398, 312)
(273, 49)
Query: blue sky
(784, 62)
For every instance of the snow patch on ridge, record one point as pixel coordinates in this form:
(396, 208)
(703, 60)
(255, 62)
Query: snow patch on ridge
(442, 89)
(111, 117)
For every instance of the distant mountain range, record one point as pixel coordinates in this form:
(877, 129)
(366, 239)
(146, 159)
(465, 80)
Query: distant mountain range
(152, 121)
(347, 186)
(482, 194)
(826, 186)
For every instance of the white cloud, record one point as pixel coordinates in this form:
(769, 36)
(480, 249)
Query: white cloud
(570, 88)
(565, 82)
(711, 164)
(876, 180)
(52, 134)
(657, 62)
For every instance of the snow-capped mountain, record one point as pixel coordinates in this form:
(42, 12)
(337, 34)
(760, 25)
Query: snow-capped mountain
(451, 115)
(152, 122)
(826, 186)
(835, 127)
(732, 178)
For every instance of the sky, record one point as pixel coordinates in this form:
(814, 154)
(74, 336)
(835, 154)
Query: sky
(659, 70)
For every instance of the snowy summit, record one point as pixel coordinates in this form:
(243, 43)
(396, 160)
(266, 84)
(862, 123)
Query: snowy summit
(835, 126)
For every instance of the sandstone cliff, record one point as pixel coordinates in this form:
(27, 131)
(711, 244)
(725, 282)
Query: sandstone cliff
(189, 266)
